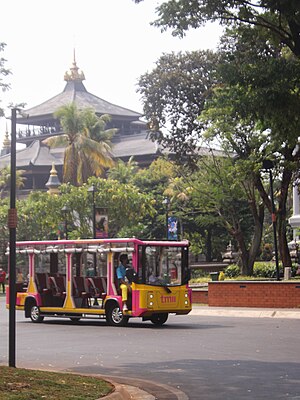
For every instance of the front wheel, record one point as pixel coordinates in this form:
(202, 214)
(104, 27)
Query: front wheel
(115, 317)
(159, 319)
(35, 314)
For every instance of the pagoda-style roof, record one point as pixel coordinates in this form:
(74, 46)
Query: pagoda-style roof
(37, 154)
(137, 145)
(75, 92)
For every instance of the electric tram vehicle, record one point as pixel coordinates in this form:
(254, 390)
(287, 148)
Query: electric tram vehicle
(77, 279)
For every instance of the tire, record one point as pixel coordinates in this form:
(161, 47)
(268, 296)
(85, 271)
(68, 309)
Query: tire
(35, 315)
(115, 317)
(159, 319)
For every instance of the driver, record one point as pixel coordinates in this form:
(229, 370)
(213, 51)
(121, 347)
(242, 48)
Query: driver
(124, 283)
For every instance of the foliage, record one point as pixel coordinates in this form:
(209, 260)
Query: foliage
(255, 114)
(218, 195)
(123, 172)
(174, 94)
(255, 107)
(265, 270)
(4, 72)
(23, 384)
(40, 216)
(155, 180)
(232, 271)
(87, 151)
(5, 179)
(280, 19)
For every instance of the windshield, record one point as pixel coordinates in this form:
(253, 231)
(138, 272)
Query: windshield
(163, 266)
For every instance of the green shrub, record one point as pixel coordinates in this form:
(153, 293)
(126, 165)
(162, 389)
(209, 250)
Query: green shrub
(266, 270)
(232, 271)
(198, 273)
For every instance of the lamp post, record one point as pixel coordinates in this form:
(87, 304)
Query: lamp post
(166, 202)
(268, 166)
(92, 190)
(12, 225)
(65, 211)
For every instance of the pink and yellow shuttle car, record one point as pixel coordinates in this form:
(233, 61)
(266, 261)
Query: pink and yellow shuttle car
(77, 279)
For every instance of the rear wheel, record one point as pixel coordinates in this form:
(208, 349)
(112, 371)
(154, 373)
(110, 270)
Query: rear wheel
(115, 317)
(159, 319)
(35, 314)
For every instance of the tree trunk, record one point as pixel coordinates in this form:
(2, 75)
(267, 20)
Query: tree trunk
(244, 254)
(258, 216)
(282, 242)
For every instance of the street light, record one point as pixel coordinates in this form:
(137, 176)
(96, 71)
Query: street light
(92, 190)
(166, 202)
(65, 211)
(12, 225)
(268, 166)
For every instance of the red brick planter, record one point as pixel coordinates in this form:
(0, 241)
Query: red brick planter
(199, 296)
(254, 294)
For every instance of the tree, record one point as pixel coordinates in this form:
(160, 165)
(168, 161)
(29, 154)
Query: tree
(174, 94)
(221, 195)
(123, 172)
(155, 180)
(3, 72)
(280, 18)
(5, 179)
(85, 155)
(255, 113)
(258, 85)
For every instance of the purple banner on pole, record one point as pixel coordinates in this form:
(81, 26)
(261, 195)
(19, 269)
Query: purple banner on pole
(172, 228)
(101, 219)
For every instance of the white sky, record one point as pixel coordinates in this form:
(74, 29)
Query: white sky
(114, 43)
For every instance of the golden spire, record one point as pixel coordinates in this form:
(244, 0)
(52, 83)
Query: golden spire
(6, 144)
(6, 141)
(74, 73)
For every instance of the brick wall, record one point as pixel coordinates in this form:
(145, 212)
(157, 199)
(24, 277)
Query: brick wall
(254, 294)
(199, 296)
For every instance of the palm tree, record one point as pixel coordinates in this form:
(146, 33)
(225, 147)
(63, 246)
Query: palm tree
(87, 143)
(5, 179)
(123, 172)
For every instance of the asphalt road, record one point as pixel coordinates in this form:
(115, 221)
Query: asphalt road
(205, 357)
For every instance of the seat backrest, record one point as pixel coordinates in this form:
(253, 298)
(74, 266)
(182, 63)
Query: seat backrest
(79, 286)
(42, 281)
(99, 284)
(60, 281)
(58, 285)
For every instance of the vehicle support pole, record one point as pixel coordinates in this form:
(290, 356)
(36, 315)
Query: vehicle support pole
(12, 225)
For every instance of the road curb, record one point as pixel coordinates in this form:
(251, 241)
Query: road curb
(119, 393)
(246, 313)
(126, 392)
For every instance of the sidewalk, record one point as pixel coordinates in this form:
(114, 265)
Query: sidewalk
(248, 312)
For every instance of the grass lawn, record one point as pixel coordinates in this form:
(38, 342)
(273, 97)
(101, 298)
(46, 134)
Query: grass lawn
(27, 384)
